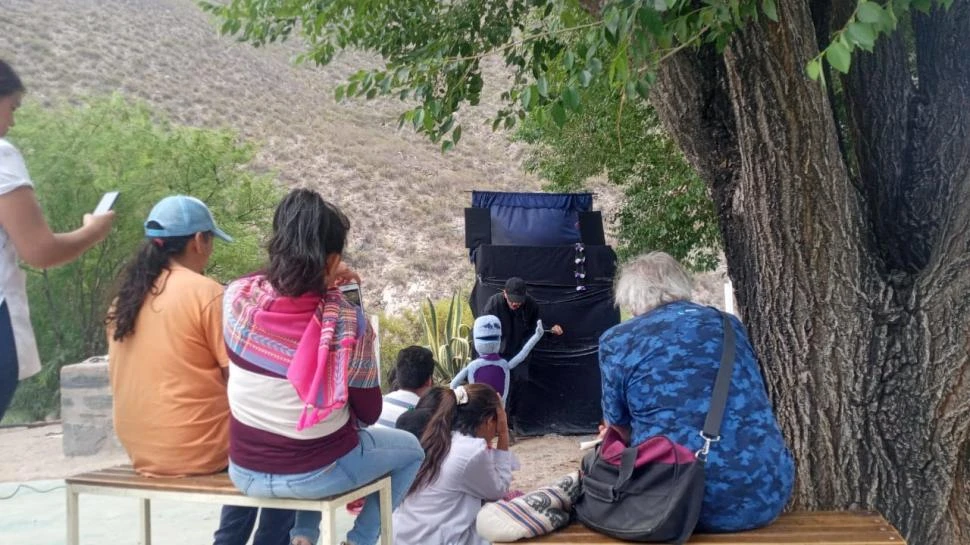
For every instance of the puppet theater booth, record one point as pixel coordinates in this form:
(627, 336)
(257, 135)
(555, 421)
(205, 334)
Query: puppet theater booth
(555, 242)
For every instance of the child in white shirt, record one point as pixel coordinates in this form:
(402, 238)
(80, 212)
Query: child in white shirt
(460, 469)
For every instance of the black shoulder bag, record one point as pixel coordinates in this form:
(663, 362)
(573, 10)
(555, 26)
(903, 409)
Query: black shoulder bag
(653, 492)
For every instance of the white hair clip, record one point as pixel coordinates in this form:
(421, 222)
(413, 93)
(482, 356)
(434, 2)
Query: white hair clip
(461, 395)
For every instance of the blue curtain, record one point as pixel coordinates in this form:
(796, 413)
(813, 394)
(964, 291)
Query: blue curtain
(534, 219)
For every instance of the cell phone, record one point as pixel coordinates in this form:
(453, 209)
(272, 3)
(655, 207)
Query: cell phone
(352, 293)
(107, 203)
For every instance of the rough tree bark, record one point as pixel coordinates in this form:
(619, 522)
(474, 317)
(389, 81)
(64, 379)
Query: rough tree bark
(848, 239)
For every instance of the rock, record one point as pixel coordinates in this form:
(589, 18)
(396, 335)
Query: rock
(86, 409)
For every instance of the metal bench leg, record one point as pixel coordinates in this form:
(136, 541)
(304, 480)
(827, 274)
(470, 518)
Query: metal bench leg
(73, 536)
(145, 521)
(386, 510)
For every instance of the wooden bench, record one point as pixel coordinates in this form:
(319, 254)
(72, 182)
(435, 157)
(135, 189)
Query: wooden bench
(799, 528)
(217, 489)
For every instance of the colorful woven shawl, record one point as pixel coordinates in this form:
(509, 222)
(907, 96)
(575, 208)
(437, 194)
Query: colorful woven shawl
(307, 339)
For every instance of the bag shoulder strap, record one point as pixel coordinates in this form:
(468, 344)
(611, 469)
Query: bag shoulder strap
(712, 424)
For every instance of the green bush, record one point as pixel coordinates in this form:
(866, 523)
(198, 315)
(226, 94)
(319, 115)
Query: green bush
(397, 331)
(447, 333)
(75, 154)
(406, 329)
(666, 206)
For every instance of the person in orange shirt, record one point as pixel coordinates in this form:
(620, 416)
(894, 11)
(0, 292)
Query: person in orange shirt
(168, 362)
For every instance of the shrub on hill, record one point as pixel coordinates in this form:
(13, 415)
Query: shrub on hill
(75, 153)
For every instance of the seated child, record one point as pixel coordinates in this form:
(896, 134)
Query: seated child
(416, 420)
(490, 368)
(460, 469)
(412, 375)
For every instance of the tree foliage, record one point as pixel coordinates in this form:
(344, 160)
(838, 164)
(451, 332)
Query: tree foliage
(77, 153)
(434, 50)
(666, 206)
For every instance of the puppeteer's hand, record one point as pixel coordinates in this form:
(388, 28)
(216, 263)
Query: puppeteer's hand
(556, 329)
(539, 329)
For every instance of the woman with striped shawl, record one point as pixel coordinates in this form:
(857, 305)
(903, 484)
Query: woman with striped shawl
(303, 377)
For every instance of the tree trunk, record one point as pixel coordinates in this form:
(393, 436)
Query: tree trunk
(854, 281)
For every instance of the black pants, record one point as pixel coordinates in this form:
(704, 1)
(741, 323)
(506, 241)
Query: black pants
(236, 524)
(9, 370)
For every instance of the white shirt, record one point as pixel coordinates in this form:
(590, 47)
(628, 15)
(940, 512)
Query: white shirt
(13, 281)
(395, 404)
(444, 512)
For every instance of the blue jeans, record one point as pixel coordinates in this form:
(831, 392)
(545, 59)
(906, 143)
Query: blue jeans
(9, 370)
(236, 524)
(381, 451)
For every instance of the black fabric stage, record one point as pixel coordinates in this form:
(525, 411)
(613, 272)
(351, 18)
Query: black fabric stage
(558, 390)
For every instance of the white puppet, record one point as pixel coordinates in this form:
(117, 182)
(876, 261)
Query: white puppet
(490, 368)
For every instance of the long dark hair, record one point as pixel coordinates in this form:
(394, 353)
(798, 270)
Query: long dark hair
(9, 80)
(139, 279)
(416, 420)
(306, 230)
(449, 416)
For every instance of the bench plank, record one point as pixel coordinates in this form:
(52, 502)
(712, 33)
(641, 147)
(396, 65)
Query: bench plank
(125, 477)
(216, 488)
(798, 528)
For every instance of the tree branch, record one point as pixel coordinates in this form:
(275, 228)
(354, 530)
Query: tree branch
(877, 93)
(938, 196)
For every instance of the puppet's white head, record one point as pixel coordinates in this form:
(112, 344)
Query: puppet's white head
(488, 334)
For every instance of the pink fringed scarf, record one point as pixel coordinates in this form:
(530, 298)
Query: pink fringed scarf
(308, 339)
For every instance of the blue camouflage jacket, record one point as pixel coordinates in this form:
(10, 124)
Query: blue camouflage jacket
(658, 373)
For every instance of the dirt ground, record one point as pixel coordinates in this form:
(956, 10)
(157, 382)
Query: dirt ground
(28, 454)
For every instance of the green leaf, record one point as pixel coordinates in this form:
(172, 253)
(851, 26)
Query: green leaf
(619, 68)
(612, 26)
(585, 78)
(338, 93)
(813, 69)
(839, 56)
(771, 11)
(869, 12)
(559, 114)
(650, 19)
(570, 97)
(631, 89)
(643, 88)
(526, 98)
(456, 134)
(862, 34)
(568, 60)
(418, 118)
(428, 122)
(446, 146)
(888, 20)
(542, 85)
(660, 5)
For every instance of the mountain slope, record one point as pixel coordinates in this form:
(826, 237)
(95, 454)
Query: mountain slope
(403, 196)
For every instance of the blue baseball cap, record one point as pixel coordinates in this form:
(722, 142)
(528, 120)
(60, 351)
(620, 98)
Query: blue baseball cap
(181, 216)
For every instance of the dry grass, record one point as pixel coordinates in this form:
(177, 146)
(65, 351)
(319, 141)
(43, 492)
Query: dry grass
(403, 196)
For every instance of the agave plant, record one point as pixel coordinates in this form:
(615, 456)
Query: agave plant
(448, 340)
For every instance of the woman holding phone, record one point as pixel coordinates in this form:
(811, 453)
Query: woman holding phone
(24, 234)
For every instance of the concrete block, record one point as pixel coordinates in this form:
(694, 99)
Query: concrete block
(86, 409)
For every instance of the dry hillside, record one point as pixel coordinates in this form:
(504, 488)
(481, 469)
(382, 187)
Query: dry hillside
(403, 196)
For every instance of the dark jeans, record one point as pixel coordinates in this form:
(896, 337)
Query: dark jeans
(9, 370)
(236, 523)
